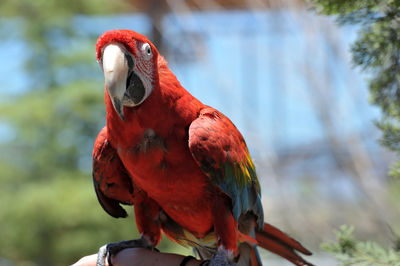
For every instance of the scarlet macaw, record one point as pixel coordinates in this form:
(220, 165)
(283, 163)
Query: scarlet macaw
(183, 165)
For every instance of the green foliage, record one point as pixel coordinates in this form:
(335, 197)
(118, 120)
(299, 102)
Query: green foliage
(49, 214)
(376, 51)
(350, 251)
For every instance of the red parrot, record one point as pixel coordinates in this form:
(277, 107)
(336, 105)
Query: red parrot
(183, 165)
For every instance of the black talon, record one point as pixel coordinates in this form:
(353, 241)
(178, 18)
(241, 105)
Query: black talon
(109, 259)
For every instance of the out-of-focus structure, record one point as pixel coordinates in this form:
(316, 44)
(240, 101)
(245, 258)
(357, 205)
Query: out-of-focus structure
(158, 9)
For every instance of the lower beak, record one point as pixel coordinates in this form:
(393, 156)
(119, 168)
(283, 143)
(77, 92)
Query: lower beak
(115, 68)
(118, 106)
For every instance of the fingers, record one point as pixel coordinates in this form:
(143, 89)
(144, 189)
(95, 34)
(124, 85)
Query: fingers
(87, 261)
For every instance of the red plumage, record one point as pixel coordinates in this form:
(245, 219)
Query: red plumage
(183, 165)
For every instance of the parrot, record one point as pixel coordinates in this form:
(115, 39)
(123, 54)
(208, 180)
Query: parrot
(183, 165)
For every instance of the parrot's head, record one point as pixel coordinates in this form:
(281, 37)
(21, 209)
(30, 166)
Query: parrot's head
(128, 61)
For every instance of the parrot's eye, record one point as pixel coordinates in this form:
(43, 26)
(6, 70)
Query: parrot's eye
(146, 49)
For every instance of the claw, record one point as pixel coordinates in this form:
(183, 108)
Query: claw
(222, 257)
(101, 255)
(112, 249)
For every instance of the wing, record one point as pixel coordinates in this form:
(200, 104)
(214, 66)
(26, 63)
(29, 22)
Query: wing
(221, 152)
(112, 183)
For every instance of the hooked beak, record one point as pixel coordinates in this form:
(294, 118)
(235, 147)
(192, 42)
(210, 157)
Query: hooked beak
(115, 68)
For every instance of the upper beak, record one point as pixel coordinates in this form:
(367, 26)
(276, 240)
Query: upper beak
(115, 68)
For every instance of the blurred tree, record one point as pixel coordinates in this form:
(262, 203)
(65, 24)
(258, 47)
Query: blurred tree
(351, 251)
(49, 214)
(376, 51)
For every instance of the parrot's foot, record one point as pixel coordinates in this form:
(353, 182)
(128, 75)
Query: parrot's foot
(223, 257)
(112, 249)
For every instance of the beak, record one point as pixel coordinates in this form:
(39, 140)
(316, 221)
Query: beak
(115, 68)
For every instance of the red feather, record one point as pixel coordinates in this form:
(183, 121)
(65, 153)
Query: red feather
(186, 163)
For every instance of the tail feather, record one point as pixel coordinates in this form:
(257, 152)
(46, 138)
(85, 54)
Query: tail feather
(276, 241)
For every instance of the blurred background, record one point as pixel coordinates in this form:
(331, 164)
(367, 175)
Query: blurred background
(279, 71)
